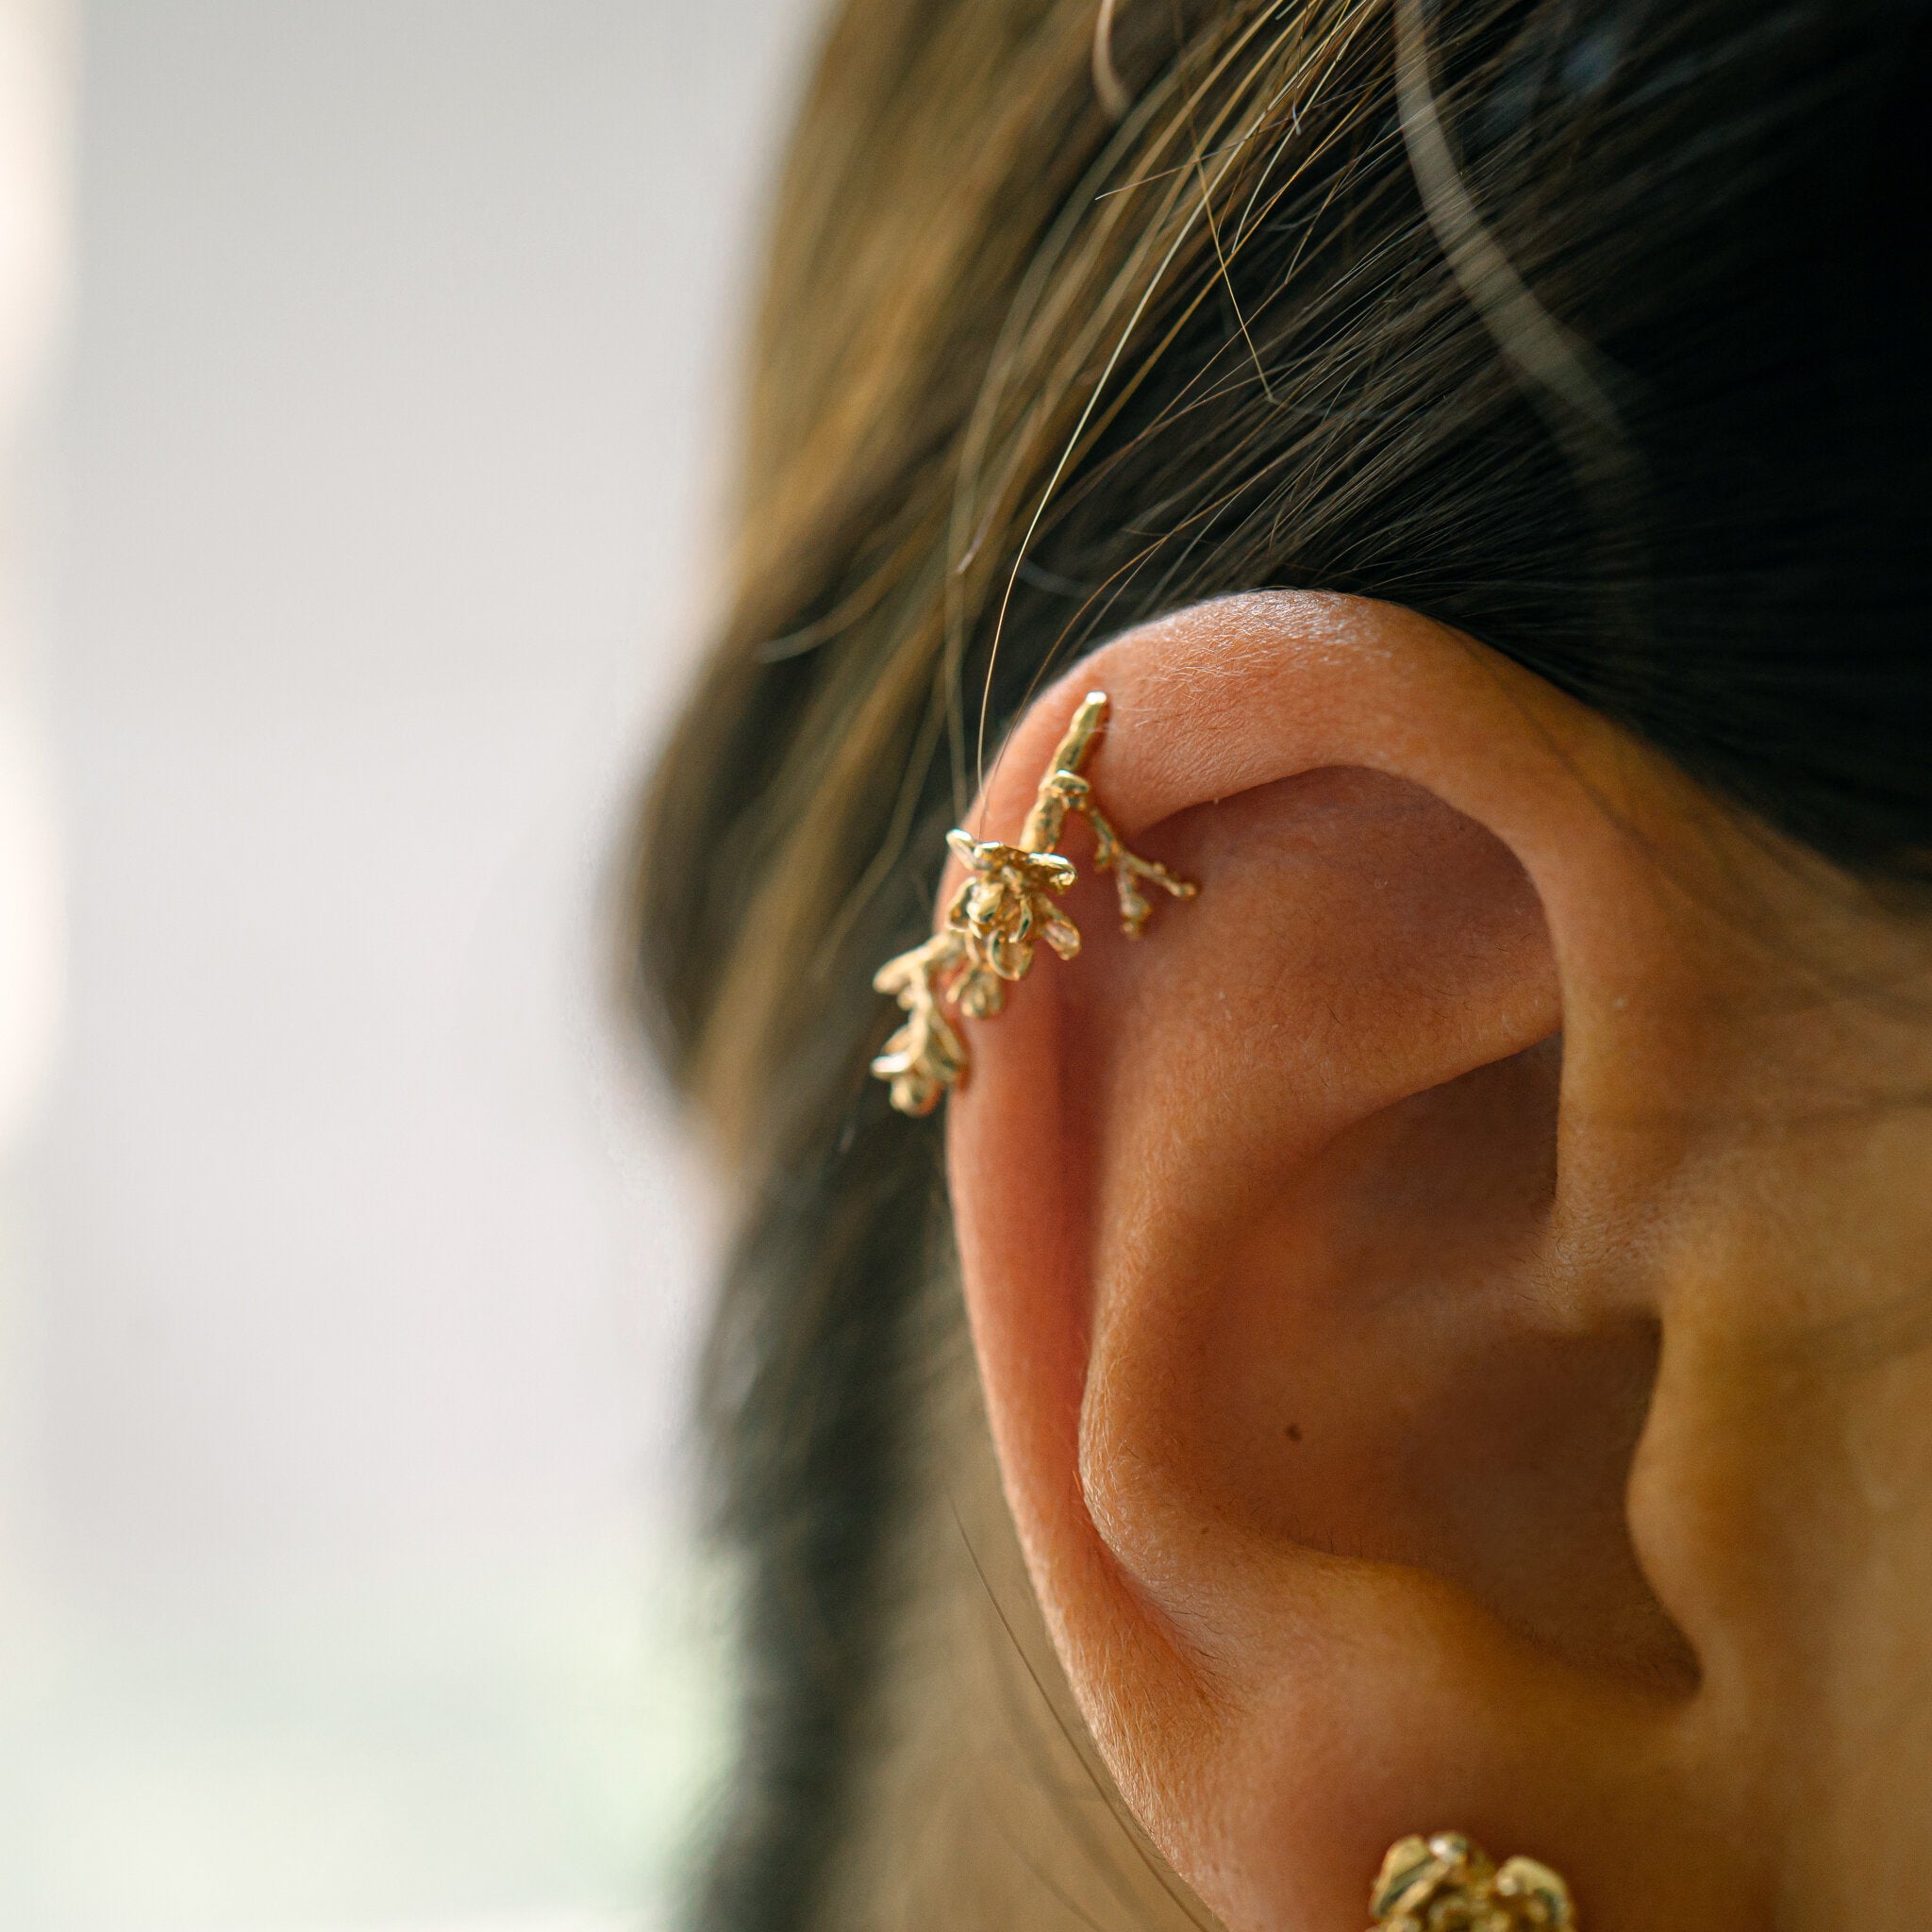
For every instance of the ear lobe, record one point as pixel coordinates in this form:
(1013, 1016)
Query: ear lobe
(1315, 1413)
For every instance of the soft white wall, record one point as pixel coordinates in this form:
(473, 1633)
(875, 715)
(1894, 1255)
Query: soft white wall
(346, 1568)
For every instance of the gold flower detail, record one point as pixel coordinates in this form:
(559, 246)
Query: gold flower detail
(999, 916)
(1004, 908)
(1447, 1884)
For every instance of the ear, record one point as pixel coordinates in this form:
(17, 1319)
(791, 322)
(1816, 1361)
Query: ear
(1318, 1247)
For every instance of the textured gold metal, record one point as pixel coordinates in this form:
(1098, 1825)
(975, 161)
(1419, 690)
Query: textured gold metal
(1447, 1884)
(997, 918)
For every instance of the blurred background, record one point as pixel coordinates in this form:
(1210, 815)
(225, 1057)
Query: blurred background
(365, 372)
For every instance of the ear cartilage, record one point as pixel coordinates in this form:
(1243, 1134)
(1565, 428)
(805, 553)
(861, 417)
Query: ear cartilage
(1001, 912)
(1442, 1881)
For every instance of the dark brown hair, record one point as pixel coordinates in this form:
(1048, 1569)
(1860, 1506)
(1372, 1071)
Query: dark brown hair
(1624, 374)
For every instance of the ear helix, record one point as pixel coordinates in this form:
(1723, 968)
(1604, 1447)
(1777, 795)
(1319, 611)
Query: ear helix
(1001, 911)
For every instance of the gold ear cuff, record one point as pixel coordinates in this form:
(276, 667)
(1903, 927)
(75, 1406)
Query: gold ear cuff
(998, 916)
(1447, 1884)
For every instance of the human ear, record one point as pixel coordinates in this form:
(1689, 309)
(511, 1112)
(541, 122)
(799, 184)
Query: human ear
(1319, 1246)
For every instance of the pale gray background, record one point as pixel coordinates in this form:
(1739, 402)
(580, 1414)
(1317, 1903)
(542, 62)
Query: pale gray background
(353, 1271)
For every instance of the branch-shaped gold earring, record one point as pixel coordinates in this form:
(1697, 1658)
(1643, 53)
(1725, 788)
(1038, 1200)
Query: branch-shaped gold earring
(1002, 910)
(1447, 1884)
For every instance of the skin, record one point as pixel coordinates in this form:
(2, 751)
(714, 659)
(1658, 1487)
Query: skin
(1452, 1300)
